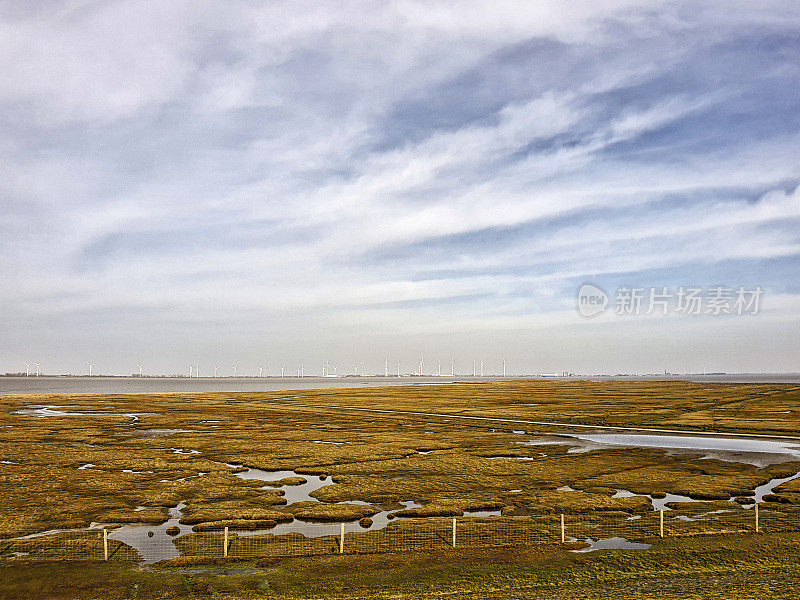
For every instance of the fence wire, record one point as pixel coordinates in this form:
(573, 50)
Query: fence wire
(407, 535)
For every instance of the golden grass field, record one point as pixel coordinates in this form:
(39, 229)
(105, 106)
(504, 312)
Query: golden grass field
(469, 464)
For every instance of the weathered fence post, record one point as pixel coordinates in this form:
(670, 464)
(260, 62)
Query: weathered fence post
(341, 539)
(225, 544)
(661, 522)
(756, 507)
(105, 544)
(562, 528)
(454, 532)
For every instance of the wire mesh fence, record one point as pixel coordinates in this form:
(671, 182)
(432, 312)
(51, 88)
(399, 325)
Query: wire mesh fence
(406, 535)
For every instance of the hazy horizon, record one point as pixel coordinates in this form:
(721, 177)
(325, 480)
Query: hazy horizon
(58, 385)
(309, 182)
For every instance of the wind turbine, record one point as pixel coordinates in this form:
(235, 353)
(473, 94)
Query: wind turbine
(283, 368)
(504, 367)
(421, 364)
(140, 369)
(234, 370)
(439, 370)
(191, 368)
(38, 368)
(386, 368)
(260, 371)
(91, 365)
(363, 369)
(452, 368)
(196, 370)
(473, 368)
(398, 368)
(216, 368)
(28, 369)
(481, 367)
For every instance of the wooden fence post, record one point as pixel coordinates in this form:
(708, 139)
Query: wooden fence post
(661, 522)
(562, 528)
(105, 544)
(454, 532)
(756, 507)
(341, 539)
(225, 544)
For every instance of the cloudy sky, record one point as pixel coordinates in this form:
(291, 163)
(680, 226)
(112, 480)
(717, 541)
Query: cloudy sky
(283, 182)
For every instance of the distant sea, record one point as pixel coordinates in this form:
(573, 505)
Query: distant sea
(156, 385)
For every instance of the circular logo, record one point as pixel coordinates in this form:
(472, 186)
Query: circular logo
(591, 300)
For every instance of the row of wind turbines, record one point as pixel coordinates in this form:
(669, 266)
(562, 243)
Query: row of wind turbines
(359, 369)
(328, 370)
(438, 373)
(194, 370)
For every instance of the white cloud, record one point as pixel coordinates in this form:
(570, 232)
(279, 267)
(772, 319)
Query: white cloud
(102, 61)
(259, 165)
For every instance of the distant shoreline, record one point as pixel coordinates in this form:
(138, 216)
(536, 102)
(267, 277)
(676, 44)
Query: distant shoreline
(44, 385)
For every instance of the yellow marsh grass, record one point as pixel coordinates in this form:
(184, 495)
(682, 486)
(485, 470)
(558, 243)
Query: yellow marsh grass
(377, 460)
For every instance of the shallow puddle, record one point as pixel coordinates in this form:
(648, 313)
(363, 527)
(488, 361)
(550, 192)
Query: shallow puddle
(613, 543)
(292, 493)
(50, 410)
(312, 529)
(184, 451)
(482, 513)
(160, 545)
(769, 488)
(658, 503)
(302, 493)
